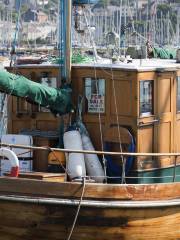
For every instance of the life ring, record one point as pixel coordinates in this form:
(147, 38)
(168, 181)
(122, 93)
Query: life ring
(11, 156)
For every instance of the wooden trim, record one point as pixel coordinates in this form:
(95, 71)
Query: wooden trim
(37, 188)
(91, 203)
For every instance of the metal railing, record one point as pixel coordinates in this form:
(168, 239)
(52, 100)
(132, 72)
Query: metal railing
(46, 148)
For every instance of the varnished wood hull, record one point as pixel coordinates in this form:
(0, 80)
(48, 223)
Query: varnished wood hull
(34, 209)
(103, 221)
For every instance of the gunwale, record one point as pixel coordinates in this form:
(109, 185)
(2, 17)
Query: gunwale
(73, 190)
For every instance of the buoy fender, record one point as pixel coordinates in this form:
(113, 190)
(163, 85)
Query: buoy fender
(93, 165)
(75, 163)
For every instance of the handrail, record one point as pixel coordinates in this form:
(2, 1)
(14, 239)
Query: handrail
(89, 152)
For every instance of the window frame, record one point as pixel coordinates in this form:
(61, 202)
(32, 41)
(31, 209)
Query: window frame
(150, 113)
(104, 89)
(177, 80)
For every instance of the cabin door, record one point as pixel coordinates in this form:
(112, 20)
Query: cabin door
(147, 124)
(155, 123)
(164, 115)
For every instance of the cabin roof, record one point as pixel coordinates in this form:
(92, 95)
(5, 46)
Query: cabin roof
(139, 65)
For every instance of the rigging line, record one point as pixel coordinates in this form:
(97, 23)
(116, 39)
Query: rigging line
(131, 16)
(100, 122)
(133, 25)
(97, 90)
(17, 24)
(120, 24)
(3, 120)
(78, 209)
(119, 133)
(5, 112)
(5, 104)
(60, 39)
(125, 22)
(54, 154)
(91, 38)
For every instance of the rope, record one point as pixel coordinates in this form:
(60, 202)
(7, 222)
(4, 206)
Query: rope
(120, 24)
(97, 90)
(119, 134)
(53, 152)
(3, 121)
(17, 24)
(20, 154)
(77, 213)
(91, 38)
(13, 52)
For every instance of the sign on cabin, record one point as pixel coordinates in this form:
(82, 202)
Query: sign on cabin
(95, 95)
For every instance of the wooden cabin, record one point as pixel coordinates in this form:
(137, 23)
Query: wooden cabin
(140, 99)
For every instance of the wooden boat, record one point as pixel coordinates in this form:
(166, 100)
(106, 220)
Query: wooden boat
(35, 209)
(44, 205)
(133, 105)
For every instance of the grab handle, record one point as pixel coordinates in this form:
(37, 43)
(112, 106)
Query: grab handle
(148, 123)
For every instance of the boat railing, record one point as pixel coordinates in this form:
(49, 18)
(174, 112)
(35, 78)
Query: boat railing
(46, 148)
(104, 153)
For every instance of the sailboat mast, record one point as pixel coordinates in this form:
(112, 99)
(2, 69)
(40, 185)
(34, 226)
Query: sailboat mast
(65, 25)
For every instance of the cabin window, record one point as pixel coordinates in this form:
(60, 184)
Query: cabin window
(146, 98)
(178, 94)
(95, 95)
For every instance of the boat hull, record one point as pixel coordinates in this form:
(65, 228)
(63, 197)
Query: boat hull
(35, 210)
(40, 218)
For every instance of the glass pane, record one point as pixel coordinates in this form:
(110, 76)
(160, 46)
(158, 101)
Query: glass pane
(146, 97)
(178, 94)
(95, 95)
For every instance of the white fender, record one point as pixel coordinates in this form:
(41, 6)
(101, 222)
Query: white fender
(75, 162)
(5, 152)
(93, 165)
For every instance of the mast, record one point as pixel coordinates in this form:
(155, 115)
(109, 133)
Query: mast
(177, 26)
(168, 29)
(68, 17)
(65, 25)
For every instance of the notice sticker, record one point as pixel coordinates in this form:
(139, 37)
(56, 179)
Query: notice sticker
(96, 104)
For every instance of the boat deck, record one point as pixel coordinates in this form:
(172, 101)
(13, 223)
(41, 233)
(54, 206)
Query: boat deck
(136, 65)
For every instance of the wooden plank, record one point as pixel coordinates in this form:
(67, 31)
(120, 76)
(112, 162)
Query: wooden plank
(42, 176)
(92, 191)
(34, 221)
